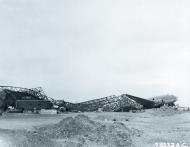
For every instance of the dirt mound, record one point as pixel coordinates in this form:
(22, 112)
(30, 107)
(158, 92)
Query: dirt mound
(69, 127)
(112, 134)
(86, 131)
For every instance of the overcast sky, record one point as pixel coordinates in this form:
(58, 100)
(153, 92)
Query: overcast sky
(84, 49)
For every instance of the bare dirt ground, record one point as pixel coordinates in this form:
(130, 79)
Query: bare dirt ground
(104, 129)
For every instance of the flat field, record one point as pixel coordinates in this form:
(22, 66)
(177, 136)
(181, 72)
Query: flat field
(105, 129)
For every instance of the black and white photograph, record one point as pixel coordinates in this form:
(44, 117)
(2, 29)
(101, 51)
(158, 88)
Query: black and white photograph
(94, 73)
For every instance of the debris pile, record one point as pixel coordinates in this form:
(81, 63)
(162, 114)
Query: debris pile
(25, 99)
(122, 103)
(114, 103)
(9, 96)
